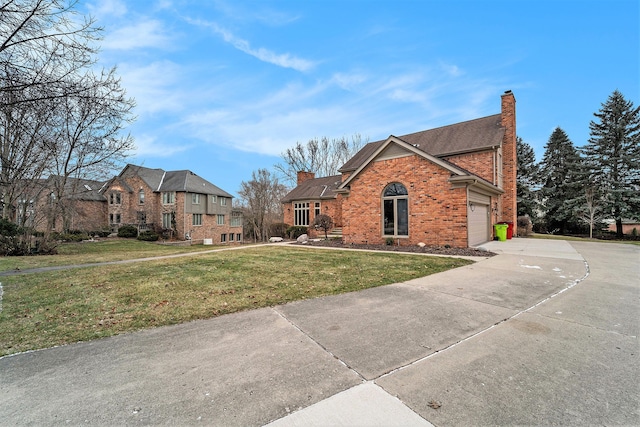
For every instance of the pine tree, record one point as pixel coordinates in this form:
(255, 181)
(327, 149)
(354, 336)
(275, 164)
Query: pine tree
(527, 180)
(560, 173)
(612, 156)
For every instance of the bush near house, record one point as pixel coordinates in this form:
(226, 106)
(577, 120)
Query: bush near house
(296, 231)
(128, 231)
(148, 236)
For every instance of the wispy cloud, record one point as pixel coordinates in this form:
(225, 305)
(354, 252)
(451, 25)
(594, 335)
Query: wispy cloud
(148, 145)
(155, 86)
(104, 8)
(285, 60)
(143, 34)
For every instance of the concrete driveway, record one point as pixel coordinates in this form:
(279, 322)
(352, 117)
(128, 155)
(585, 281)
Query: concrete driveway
(545, 333)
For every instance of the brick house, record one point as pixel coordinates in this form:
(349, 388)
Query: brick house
(181, 202)
(444, 186)
(58, 203)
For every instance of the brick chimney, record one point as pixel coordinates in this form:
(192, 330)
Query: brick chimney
(305, 176)
(509, 158)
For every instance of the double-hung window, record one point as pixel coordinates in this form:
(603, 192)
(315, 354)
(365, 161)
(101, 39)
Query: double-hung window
(197, 219)
(168, 197)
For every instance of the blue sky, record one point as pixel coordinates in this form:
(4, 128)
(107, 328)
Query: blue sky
(223, 87)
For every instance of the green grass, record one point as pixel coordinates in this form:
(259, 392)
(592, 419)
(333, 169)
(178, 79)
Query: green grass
(47, 309)
(99, 251)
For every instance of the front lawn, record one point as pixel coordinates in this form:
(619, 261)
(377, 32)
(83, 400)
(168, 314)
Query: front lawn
(98, 251)
(47, 309)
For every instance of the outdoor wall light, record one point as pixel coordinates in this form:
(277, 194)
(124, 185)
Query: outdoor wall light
(472, 206)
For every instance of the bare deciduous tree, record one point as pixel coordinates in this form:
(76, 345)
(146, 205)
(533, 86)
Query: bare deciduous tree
(321, 156)
(260, 203)
(56, 115)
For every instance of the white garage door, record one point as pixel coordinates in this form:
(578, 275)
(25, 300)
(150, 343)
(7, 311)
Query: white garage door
(478, 220)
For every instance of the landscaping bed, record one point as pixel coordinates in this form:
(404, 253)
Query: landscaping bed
(433, 250)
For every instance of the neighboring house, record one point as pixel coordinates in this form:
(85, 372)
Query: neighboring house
(58, 203)
(179, 202)
(444, 186)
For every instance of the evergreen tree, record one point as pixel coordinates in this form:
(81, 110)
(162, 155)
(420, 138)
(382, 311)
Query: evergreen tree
(560, 173)
(527, 180)
(613, 158)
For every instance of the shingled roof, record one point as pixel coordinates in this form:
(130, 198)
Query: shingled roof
(315, 189)
(473, 135)
(188, 181)
(182, 180)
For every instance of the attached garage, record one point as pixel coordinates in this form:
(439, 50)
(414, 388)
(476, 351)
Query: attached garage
(478, 218)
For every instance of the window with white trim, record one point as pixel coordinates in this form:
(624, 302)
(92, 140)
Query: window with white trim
(301, 214)
(317, 209)
(197, 219)
(168, 219)
(168, 197)
(220, 219)
(195, 199)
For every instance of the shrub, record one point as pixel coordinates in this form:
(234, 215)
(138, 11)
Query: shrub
(296, 231)
(323, 222)
(101, 233)
(278, 229)
(525, 227)
(148, 236)
(389, 241)
(73, 237)
(128, 231)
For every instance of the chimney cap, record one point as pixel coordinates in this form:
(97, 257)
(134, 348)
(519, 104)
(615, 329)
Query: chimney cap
(507, 91)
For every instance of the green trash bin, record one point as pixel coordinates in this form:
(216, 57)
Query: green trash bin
(501, 231)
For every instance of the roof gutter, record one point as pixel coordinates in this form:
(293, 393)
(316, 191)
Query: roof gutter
(476, 183)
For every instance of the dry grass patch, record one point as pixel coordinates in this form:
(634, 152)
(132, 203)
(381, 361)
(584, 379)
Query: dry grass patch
(48, 309)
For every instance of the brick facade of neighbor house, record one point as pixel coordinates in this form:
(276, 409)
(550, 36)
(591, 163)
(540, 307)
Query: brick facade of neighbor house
(455, 181)
(176, 203)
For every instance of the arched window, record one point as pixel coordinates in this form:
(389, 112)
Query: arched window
(395, 210)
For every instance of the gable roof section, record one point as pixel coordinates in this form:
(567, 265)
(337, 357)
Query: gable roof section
(183, 180)
(188, 181)
(315, 189)
(151, 177)
(409, 149)
(470, 136)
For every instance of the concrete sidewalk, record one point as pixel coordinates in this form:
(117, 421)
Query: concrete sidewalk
(536, 335)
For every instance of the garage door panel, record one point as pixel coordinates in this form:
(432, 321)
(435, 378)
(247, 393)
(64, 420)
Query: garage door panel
(478, 218)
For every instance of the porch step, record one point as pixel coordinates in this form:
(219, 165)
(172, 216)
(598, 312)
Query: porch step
(336, 233)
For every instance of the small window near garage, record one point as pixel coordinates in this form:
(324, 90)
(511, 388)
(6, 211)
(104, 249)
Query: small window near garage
(238, 237)
(231, 235)
(223, 238)
(197, 219)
